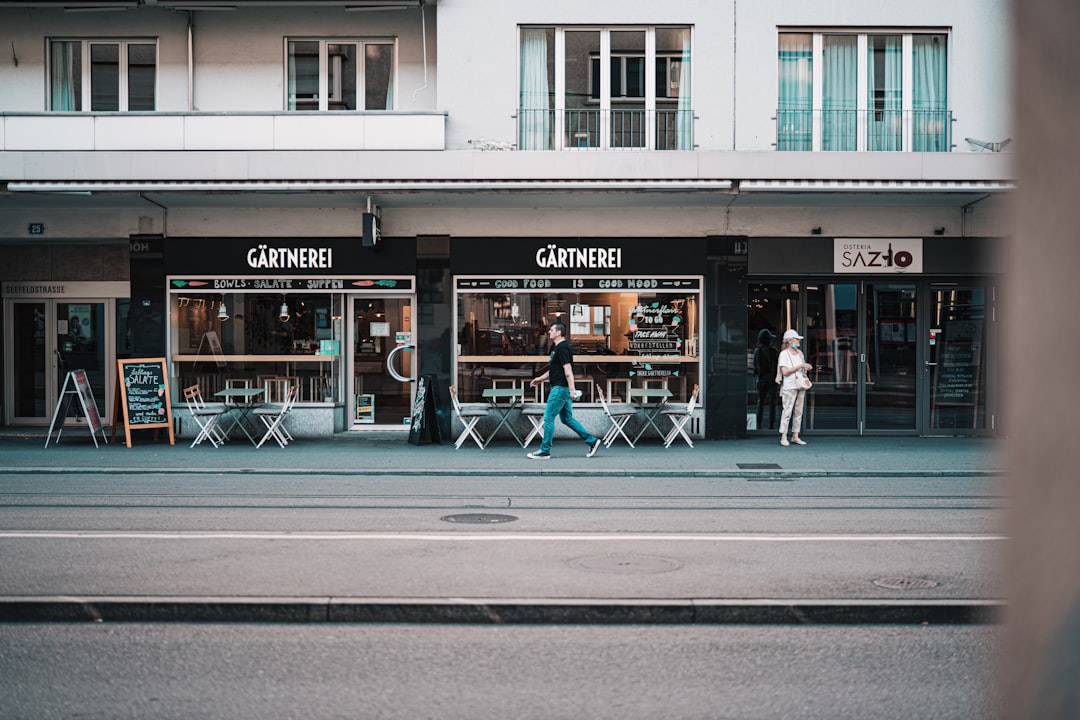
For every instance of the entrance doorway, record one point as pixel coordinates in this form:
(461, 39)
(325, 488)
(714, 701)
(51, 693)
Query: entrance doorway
(48, 338)
(383, 362)
(889, 357)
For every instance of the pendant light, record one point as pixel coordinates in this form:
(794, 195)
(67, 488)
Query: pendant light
(222, 311)
(283, 314)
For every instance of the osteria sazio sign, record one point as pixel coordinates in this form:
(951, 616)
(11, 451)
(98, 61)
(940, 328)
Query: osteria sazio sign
(877, 255)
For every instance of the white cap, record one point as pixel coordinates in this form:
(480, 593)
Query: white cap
(791, 334)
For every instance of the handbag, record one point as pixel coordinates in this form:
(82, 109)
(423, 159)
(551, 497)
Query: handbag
(803, 382)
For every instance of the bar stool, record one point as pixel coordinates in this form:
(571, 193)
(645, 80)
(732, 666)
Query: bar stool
(623, 395)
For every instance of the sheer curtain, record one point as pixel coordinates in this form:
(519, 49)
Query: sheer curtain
(794, 124)
(686, 110)
(929, 103)
(884, 101)
(839, 92)
(534, 114)
(65, 76)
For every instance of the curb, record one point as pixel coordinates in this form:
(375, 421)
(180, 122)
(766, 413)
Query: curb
(503, 472)
(499, 611)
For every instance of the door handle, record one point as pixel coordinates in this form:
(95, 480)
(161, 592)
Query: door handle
(390, 363)
(931, 364)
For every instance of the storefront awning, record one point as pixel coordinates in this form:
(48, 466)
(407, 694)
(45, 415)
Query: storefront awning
(370, 186)
(877, 186)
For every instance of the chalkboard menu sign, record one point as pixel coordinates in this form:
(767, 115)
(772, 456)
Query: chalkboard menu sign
(143, 396)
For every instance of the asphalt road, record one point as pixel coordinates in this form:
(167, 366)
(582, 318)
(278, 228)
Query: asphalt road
(378, 537)
(184, 671)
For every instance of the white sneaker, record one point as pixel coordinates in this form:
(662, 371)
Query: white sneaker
(539, 455)
(593, 449)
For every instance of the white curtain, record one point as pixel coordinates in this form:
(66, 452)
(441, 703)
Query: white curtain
(686, 110)
(794, 123)
(885, 88)
(839, 92)
(534, 113)
(929, 103)
(65, 74)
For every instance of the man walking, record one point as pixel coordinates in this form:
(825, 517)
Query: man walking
(561, 396)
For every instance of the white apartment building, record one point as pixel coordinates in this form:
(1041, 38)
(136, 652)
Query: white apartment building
(347, 195)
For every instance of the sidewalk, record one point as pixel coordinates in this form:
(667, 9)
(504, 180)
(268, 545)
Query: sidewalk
(23, 451)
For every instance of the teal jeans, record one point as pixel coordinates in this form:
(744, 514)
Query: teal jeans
(560, 404)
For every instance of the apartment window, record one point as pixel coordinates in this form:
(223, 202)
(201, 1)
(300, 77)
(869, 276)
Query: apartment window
(605, 88)
(843, 91)
(102, 75)
(340, 75)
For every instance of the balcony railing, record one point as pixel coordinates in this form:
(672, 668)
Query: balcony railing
(605, 129)
(864, 130)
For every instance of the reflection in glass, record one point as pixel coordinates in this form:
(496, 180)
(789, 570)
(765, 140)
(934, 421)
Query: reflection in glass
(620, 339)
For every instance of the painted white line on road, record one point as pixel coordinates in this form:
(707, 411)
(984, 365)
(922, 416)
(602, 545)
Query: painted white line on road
(488, 537)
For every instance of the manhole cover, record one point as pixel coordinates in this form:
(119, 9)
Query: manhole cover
(478, 518)
(625, 563)
(905, 583)
(757, 466)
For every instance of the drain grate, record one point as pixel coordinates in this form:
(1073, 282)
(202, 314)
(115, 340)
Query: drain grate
(478, 518)
(905, 583)
(757, 466)
(625, 563)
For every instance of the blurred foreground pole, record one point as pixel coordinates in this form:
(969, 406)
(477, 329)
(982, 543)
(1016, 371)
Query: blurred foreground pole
(1042, 379)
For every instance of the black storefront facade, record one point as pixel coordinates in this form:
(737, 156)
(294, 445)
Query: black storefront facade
(328, 315)
(903, 332)
(634, 309)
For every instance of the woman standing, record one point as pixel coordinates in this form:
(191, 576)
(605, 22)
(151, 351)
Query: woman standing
(790, 365)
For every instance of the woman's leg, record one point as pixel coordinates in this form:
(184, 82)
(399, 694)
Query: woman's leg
(788, 398)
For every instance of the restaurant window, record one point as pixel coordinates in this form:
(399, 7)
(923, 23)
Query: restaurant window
(102, 75)
(625, 334)
(267, 340)
(339, 75)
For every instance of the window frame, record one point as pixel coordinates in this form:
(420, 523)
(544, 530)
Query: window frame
(328, 93)
(605, 101)
(864, 106)
(86, 72)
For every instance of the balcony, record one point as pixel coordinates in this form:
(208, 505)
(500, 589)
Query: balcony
(242, 131)
(616, 129)
(864, 130)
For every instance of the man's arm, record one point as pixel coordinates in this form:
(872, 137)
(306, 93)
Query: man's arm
(539, 378)
(569, 370)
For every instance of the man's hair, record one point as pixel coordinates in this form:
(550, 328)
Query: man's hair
(560, 327)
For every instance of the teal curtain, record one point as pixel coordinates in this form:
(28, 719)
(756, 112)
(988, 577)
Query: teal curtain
(686, 110)
(930, 131)
(839, 92)
(535, 110)
(794, 126)
(65, 76)
(884, 77)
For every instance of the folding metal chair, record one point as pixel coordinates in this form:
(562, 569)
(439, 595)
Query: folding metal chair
(205, 416)
(535, 413)
(619, 414)
(679, 414)
(273, 420)
(469, 414)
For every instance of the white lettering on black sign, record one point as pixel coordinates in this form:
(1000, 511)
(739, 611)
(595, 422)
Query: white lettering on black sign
(285, 258)
(554, 257)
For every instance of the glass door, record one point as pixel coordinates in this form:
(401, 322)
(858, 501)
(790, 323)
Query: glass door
(383, 362)
(51, 337)
(956, 360)
(891, 378)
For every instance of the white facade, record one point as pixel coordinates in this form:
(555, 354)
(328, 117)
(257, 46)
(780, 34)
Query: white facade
(221, 154)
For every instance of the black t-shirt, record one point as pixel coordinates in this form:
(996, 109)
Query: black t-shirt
(560, 355)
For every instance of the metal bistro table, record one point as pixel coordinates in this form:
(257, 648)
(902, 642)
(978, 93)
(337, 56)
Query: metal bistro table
(493, 395)
(652, 411)
(243, 400)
